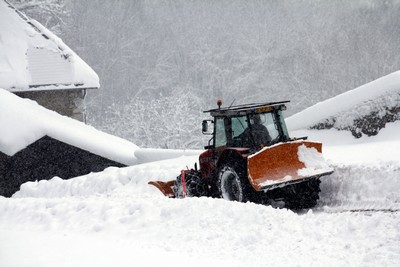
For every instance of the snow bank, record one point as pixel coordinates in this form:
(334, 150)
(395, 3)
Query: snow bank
(24, 121)
(365, 109)
(362, 187)
(130, 180)
(114, 212)
(30, 55)
(356, 184)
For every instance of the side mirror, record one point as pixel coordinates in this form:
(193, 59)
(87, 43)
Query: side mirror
(204, 126)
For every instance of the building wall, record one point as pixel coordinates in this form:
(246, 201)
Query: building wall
(69, 103)
(45, 159)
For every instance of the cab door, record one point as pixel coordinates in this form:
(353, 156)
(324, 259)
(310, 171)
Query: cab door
(208, 159)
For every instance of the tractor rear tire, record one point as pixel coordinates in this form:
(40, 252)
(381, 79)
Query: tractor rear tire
(231, 186)
(195, 186)
(303, 195)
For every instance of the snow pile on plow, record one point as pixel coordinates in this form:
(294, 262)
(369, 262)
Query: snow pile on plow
(313, 160)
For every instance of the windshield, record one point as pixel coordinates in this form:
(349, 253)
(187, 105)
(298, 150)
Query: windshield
(239, 125)
(267, 120)
(251, 130)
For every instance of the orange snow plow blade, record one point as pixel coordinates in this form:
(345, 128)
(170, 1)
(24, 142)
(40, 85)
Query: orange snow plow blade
(280, 165)
(164, 187)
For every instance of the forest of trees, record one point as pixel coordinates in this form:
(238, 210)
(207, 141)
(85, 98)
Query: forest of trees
(162, 62)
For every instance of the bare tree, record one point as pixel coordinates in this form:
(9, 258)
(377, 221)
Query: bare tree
(51, 13)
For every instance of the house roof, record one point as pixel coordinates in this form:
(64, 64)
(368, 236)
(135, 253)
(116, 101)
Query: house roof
(23, 122)
(32, 58)
(353, 104)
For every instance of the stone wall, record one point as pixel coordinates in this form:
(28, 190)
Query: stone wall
(69, 103)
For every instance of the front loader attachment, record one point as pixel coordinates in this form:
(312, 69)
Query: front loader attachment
(286, 163)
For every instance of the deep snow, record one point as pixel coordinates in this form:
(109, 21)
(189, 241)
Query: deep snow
(114, 218)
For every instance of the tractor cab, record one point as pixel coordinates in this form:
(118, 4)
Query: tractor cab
(251, 126)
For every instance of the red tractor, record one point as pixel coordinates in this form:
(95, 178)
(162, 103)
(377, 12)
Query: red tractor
(251, 157)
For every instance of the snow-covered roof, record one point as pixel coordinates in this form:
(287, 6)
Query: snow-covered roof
(23, 121)
(32, 58)
(348, 101)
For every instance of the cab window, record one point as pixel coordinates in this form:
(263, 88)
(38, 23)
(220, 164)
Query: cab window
(220, 132)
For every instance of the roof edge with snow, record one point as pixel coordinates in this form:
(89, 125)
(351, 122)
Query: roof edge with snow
(32, 58)
(23, 122)
(347, 101)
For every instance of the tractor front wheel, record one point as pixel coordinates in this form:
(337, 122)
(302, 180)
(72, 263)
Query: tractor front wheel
(231, 186)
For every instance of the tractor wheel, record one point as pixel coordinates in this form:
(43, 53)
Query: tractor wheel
(195, 186)
(303, 195)
(231, 186)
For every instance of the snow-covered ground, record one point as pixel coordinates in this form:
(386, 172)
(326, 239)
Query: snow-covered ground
(114, 218)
